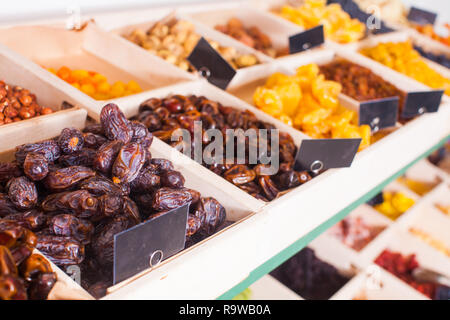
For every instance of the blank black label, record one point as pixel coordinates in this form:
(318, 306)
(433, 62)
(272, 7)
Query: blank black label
(134, 247)
(211, 64)
(421, 16)
(306, 40)
(420, 102)
(322, 154)
(376, 200)
(380, 113)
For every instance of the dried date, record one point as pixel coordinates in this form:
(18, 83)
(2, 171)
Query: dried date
(34, 265)
(129, 162)
(6, 206)
(92, 140)
(62, 251)
(99, 185)
(172, 179)
(41, 286)
(71, 140)
(168, 199)
(80, 203)
(12, 288)
(106, 156)
(240, 174)
(35, 166)
(211, 214)
(9, 170)
(65, 178)
(7, 262)
(114, 123)
(147, 180)
(84, 157)
(110, 205)
(49, 149)
(33, 219)
(21, 253)
(22, 193)
(71, 226)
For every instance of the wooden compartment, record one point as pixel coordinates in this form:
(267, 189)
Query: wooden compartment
(54, 46)
(15, 70)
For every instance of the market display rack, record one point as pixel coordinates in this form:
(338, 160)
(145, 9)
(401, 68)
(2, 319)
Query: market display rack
(263, 235)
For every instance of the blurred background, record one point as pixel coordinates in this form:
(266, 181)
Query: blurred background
(20, 10)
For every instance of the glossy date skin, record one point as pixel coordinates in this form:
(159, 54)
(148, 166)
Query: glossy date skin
(49, 149)
(71, 226)
(62, 251)
(66, 178)
(129, 162)
(163, 116)
(35, 166)
(22, 193)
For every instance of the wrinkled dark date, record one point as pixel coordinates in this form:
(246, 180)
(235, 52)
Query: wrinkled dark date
(92, 140)
(162, 164)
(41, 286)
(7, 262)
(80, 202)
(33, 219)
(66, 178)
(211, 215)
(147, 180)
(71, 140)
(99, 185)
(84, 157)
(172, 179)
(71, 226)
(21, 253)
(110, 205)
(131, 210)
(106, 156)
(8, 171)
(49, 149)
(193, 225)
(35, 166)
(22, 193)
(60, 250)
(12, 234)
(12, 288)
(34, 265)
(6, 206)
(103, 240)
(163, 116)
(129, 162)
(168, 199)
(114, 124)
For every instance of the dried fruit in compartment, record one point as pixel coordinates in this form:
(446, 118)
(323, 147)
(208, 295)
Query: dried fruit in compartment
(65, 178)
(22, 192)
(129, 162)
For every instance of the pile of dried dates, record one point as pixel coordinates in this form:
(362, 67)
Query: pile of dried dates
(23, 274)
(80, 189)
(164, 116)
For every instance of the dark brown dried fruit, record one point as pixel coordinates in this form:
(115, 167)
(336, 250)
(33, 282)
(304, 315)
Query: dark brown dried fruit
(12, 288)
(8, 171)
(129, 162)
(12, 234)
(130, 210)
(95, 128)
(22, 192)
(172, 179)
(168, 199)
(62, 251)
(84, 157)
(110, 205)
(7, 262)
(71, 140)
(71, 226)
(49, 149)
(80, 202)
(106, 156)
(92, 140)
(162, 164)
(65, 178)
(103, 241)
(147, 180)
(35, 166)
(211, 214)
(239, 174)
(6, 206)
(193, 225)
(21, 253)
(41, 286)
(268, 186)
(115, 124)
(34, 265)
(33, 219)
(99, 185)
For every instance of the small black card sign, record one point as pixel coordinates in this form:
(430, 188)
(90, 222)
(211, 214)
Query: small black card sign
(306, 40)
(144, 245)
(379, 113)
(211, 64)
(421, 16)
(376, 200)
(419, 102)
(321, 154)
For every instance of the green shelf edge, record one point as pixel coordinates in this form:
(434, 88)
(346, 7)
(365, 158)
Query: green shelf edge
(287, 253)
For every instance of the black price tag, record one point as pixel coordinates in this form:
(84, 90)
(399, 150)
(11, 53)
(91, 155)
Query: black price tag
(376, 200)
(320, 154)
(211, 65)
(379, 114)
(306, 40)
(417, 103)
(148, 243)
(421, 16)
